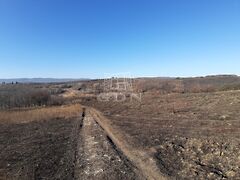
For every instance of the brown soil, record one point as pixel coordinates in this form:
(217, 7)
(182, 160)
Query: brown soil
(189, 136)
(60, 148)
(38, 150)
(172, 133)
(98, 157)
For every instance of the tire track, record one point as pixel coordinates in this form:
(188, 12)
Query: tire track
(140, 159)
(97, 157)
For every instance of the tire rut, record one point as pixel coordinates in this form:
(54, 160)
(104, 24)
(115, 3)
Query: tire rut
(97, 157)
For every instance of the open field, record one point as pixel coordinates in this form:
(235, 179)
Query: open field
(58, 143)
(39, 143)
(189, 135)
(181, 129)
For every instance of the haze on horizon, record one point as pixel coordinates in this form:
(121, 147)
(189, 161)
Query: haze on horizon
(86, 39)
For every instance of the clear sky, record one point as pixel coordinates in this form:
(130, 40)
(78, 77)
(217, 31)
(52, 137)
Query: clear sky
(88, 38)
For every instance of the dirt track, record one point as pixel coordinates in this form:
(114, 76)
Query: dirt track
(75, 148)
(190, 136)
(145, 164)
(91, 145)
(97, 156)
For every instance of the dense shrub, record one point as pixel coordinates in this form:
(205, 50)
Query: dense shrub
(235, 86)
(23, 96)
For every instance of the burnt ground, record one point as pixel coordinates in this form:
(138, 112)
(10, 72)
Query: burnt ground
(190, 136)
(60, 148)
(191, 158)
(38, 150)
(98, 157)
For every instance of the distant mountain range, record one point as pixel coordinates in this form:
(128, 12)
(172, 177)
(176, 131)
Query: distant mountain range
(40, 80)
(217, 78)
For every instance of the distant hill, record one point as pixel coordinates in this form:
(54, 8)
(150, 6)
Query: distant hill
(192, 84)
(40, 80)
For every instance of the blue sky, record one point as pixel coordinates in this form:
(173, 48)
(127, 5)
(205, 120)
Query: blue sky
(89, 38)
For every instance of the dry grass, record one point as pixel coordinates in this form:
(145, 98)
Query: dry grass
(46, 113)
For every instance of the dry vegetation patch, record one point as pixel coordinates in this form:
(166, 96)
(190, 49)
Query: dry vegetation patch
(44, 113)
(39, 143)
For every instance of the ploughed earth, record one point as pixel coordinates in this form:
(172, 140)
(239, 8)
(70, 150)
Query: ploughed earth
(189, 136)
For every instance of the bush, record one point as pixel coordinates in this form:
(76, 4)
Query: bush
(230, 87)
(12, 96)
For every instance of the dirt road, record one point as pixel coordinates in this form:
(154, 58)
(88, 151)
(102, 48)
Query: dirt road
(97, 157)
